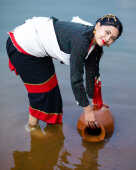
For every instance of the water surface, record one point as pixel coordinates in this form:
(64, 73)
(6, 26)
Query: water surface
(62, 148)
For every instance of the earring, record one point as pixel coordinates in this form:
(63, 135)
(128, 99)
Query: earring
(94, 31)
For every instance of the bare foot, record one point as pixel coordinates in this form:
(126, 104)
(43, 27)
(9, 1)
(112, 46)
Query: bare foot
(30, 128)
(33, 121)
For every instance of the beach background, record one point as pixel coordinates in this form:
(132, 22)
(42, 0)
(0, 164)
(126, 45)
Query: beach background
(63, 148)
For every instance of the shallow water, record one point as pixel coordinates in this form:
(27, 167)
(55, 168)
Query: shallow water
(53, 148)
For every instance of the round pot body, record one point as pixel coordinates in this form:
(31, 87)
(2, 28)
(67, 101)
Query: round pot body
(104, 118)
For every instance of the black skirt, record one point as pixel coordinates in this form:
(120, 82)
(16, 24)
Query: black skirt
(39, 77)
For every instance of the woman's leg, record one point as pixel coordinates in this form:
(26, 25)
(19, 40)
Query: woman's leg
(32, 121)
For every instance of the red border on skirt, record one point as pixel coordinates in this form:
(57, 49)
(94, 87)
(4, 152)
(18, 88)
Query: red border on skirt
(11, 34)
(12, 68)
(52, 118)
(43, 87)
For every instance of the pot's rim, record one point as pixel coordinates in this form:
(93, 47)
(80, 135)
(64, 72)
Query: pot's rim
(94, 138)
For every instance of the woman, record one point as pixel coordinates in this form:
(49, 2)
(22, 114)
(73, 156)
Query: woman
(32, 46)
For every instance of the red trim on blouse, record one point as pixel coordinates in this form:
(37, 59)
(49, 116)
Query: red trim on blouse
(90, 45)
(43, 87)
(52, 118)
(97, 98)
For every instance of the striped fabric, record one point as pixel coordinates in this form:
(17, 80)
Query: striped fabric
(38, 75)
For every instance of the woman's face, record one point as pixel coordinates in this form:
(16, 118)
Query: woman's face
(105, 35)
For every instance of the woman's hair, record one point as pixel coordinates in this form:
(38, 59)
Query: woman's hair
(111, 20)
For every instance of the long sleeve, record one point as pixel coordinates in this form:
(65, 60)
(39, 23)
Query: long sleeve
(92, 69)
(77, 61)
(74, 39)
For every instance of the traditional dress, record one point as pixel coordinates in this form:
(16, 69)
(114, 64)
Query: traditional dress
(31, 48)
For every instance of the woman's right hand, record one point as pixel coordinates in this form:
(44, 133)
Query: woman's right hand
(90, 117)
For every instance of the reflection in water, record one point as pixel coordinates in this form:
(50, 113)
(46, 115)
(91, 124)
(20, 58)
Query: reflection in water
(49, 153)
(44, 150)
(88, 160)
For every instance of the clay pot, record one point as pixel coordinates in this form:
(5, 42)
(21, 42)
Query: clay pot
(106, 122)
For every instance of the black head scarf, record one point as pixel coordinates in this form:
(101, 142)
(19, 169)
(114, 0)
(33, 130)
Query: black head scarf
(111, 20)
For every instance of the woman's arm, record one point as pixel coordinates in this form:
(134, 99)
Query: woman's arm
(77, 60)
(92, 69)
